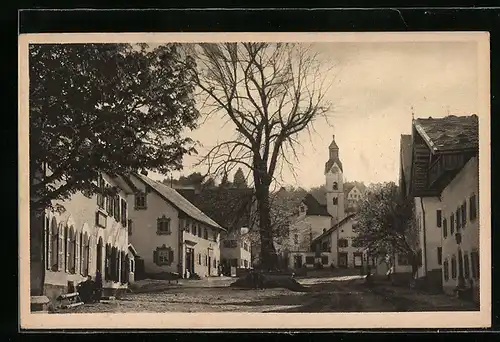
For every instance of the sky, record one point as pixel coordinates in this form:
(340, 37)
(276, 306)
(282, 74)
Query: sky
(375, 87)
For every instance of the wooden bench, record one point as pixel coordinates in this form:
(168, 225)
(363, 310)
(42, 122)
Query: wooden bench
(70, 300)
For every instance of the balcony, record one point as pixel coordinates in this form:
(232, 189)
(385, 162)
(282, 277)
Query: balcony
(443, 165)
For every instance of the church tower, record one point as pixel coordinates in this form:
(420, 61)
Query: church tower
(334, 184)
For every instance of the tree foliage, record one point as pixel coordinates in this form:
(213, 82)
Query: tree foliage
(105, 108)
(239, 180)
(270, 93)
(385, 222)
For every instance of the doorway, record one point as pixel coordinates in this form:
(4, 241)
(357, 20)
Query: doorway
(342, 259)
(99, 256)
(298, 261)
(209, 265)
(190, 260)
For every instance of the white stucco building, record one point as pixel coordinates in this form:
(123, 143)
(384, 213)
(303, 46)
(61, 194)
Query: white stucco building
(444, 181)
(170, 233)
(89, 237)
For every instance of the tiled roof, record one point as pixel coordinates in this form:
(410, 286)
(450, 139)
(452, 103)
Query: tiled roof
(178, 201)
(314, 207)
(449, 133)
(230, 208)
(335, 227)
(321, 199)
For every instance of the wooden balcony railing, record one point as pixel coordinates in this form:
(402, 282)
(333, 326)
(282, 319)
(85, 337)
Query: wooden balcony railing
(444, 164)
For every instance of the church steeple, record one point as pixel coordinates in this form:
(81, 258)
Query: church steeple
(334, 184)
(334, 149)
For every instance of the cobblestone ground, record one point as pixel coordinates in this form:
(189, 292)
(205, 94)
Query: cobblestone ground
(326, 294)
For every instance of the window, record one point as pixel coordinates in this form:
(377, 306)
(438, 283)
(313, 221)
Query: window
(116, 210)
(403, 259)
(163, 225)
(310, 260)
(446, 270)
(335, 201)
(335, 186)
(72, 251)
(187, 226)
(109, 205)
(474, 258)
(343, 243)
(358, 259)
(54, 246)
(199, 258)
(84, 259)
(194, 229)
(324, 259)
(466, 266)
(464, 214)
(445, 228)
(472, 208)
(129, 225)
(140, 200)
(215, 263)
(100, 193)
(440, 255)
(230, 243)
(458, 215)
(245, 246)
(199, 231)
(124, 213)
(452, 225)
(296, 239)
(453, 267)
(324, 246)
(245, 262)
(100, 219)
(438, 218)
(205, 233)
(215, 236)
(163, 256)
(205, 262)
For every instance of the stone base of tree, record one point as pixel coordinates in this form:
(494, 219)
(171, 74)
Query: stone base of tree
(269, 281)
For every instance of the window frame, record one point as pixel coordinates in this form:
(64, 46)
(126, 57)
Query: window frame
(138, 204)
(439, 218)
(341, 245)
(160, 221)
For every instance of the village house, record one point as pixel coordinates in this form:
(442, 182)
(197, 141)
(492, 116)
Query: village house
(445, 185)
(355, 193)
(90, 236)
(173, 237)
(232, 209)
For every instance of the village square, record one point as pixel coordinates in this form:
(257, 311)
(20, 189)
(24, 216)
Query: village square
(130, 211)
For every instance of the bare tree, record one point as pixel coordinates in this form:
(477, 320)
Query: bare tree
(271, 93)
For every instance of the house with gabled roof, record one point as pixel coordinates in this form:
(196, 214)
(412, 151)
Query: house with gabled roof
(445, 184)
(232, 209)
(172, 235)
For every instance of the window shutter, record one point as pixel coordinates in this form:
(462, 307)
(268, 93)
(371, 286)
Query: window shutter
(155, 257)
(88, 250)
(77, 253)
(170, 256)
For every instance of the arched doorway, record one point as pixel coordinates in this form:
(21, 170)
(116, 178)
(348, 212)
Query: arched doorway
(99, 256)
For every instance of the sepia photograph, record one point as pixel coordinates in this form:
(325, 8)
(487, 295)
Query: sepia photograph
(181, 176)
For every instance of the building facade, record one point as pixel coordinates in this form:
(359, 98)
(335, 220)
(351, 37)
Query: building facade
(173, 237)
(444, 181)
(236, 250)
(89, 237)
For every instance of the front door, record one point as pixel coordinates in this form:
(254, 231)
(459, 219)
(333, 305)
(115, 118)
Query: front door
(190, 260)
(298, 261)
(209, 265)
(342, 259)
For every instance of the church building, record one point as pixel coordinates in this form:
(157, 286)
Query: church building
(322, 232)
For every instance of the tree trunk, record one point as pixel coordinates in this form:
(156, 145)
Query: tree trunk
(267, 250)
(37, 254)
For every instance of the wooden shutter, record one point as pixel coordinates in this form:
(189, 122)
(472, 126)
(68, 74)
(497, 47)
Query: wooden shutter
(155, 257)
(77, 252)
(170, 255)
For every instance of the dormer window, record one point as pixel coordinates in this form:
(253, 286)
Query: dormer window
(140, 200)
